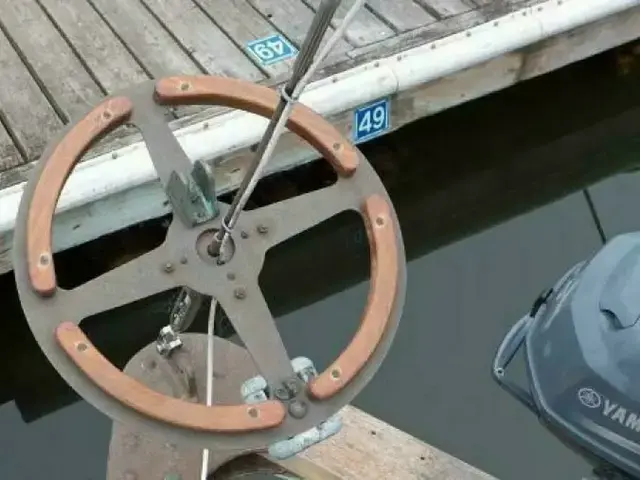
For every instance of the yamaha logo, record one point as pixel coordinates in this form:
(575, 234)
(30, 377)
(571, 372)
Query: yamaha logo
(614, 411)
(589, 398)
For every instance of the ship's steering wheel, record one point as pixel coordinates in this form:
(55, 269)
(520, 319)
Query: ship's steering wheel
(54, 314)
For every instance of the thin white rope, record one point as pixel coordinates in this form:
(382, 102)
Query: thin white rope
(209, 396)
(337, 35)
(284, 118)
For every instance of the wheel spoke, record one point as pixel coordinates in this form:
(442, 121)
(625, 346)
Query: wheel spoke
(135, 280)
(249, 314)
(164, 149)
(291, 217)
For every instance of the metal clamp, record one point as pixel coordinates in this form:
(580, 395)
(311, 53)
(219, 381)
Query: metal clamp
(255, 390)
(194, 198)
(182, 315)
(194, 201)
(167, 341)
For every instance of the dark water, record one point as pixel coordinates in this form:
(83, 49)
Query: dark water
(494, 205)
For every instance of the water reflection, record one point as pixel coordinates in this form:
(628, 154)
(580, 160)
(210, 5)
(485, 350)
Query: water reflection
(467, 283)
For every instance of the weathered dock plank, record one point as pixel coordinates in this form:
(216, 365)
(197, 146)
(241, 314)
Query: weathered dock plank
(368, 448)
(94, 42)
(403, 15)
(293, 18)
(9, 154)
(207, 44)
(145, 37)
(243, 24)
(71, 88)
(419, 36)
(364, 29)
(25, 108)
(447, 8)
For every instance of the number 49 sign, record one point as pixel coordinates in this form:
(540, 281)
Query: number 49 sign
(371, 120)
(272, 49)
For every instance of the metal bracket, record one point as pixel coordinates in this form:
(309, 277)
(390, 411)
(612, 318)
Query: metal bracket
(255, 389)
(193, 199)
(182, 315)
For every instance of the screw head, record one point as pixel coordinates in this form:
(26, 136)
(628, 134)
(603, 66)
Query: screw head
(263, 229)
(281, 393)
(149, 364)
(168, 267)
(292, 386)
(240, 293)
(244, 234)
(298, 409)
(45, 259)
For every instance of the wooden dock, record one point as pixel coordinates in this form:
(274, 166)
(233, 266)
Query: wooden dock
(58, 58)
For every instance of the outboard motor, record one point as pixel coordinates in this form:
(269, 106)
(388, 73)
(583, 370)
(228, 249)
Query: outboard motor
(581, 345)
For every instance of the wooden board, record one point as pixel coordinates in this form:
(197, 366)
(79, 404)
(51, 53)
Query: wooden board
(419, 36)
(242, 23)
(28, 112)
(61, 75)
(208, 46)
(403, 15)
(93, 41)
(368, 448)
(293, 18)
(364, 29)
(145, 38)
(566, 48)
(447, 8)
(9, 154)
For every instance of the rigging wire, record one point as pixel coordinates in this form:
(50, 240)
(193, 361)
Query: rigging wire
(337, 35)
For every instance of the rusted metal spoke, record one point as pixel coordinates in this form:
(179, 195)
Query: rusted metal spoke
(140, 278)
(249, 314)
(283, 220)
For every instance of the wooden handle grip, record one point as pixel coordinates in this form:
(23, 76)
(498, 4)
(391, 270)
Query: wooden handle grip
(261, 100)
(97, 123)
(384, 281)
(194, 416)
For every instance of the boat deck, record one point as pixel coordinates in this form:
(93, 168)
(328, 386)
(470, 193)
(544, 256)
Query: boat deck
(59, 57)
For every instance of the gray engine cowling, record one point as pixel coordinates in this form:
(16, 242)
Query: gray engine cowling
(582, 351)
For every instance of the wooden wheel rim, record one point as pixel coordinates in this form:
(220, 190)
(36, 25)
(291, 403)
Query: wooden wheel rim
(333, 389)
